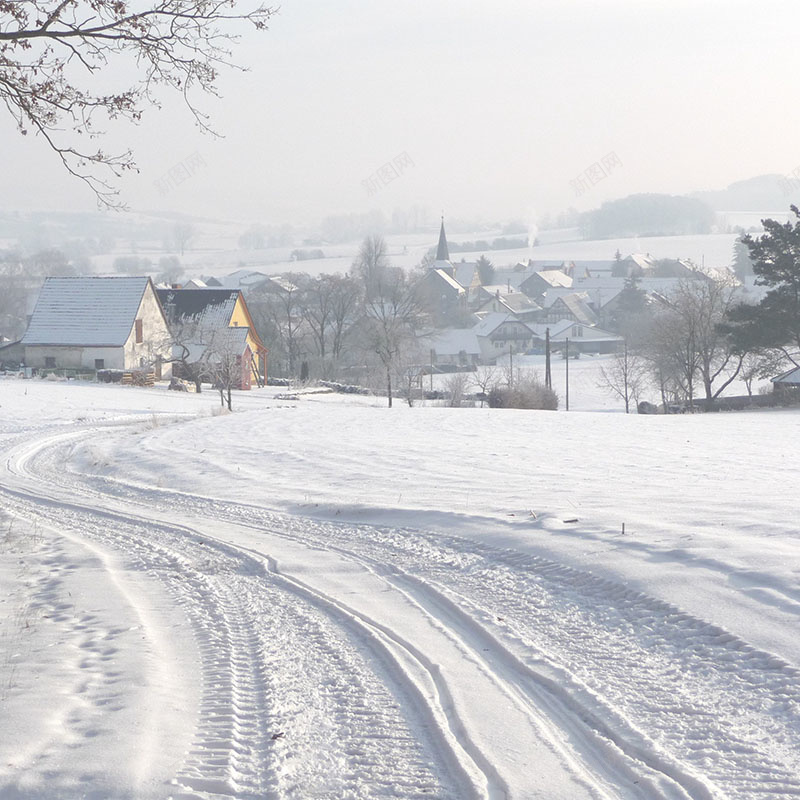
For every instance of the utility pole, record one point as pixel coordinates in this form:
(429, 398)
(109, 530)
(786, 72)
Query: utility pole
(511, 367)
(548, 381)
(567, 354)
(625, 375)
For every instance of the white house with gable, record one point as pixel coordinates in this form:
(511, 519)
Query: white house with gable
(98, 323)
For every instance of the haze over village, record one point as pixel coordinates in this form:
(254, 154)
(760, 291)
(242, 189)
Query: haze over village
(399, 402)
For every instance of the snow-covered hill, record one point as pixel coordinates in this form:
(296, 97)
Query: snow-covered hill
(329, 598)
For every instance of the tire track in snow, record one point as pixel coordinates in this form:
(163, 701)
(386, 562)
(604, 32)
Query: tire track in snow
(354, 728)
(701, 698)
(611, 766)
(558, 775)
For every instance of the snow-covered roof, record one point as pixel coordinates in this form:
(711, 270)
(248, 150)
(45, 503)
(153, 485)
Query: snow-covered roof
(449, 281)
(578, 306)
(515, 302)
(563, 329)
(85, 312)
(493, 288)
(509, 278)
(542, 266)
(452, 341)
(207, 308)
(557, 329)
(491, 322)
(589, 269)
(792, 377)
(555, 277)
(223, 342)
(645, 261)
(465, 272)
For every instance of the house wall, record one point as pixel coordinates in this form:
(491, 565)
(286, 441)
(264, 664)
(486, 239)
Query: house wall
(73, 357)
(245, 381)
(155, 337)
(501, 340)
(462, 359)
(240, 319)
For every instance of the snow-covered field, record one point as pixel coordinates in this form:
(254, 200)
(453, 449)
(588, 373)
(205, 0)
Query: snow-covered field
(213, 256)
(327, 598)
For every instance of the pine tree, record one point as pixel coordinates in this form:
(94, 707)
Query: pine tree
(775, 321)
(742, 263)
(485, 271)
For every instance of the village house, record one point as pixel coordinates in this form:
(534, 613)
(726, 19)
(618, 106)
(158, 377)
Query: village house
(586, 270)
(536, 284)
(787, 384)
(516, 303)
(499, 334)
(582, 338)
(442, 295)
(455, 346)
(93, 323)
(573, 306)
(199, 320)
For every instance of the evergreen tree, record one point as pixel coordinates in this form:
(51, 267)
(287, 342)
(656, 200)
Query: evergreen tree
(485, 271)
(742, 263)
(775, 321)
(632, 299)
(620, 269)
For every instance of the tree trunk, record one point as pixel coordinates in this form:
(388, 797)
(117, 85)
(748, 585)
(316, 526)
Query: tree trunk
(229, 398)
(389, 385)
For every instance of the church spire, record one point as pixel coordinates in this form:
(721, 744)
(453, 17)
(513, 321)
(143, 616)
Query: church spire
(442, 253)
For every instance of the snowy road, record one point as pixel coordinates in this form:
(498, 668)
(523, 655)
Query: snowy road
(292, 657)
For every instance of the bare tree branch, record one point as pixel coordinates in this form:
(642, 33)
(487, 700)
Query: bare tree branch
(46, 46)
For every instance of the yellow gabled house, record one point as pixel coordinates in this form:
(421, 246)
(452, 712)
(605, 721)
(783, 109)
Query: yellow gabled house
(207, 311)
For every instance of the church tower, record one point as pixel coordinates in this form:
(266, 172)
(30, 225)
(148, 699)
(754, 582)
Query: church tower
(442, 253)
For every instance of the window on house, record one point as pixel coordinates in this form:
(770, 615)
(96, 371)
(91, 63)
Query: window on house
(49, 361)
(139, 337)
(235, 324)
(99, 363)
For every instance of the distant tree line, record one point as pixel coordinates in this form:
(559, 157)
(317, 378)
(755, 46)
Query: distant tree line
(647, 215)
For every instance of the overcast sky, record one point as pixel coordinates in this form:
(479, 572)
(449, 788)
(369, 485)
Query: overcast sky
(495, 109)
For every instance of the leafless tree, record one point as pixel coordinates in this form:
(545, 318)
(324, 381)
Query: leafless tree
(701, 307)
(624, 376)
(346, 300)
(687, 344)
(484, 379)
(14, 292)
(328, 305)
(456, 388)
(760, 364)
(185, 344)
(392, 322)
(671, 351)
(371, 265)
(222, 363)
(182, 234)
(169, 270)
(52, 50)
(277, 308)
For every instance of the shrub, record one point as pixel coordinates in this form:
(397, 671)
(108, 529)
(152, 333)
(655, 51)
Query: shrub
(525, 393)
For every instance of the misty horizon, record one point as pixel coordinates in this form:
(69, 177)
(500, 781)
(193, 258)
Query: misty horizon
(497, 116)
